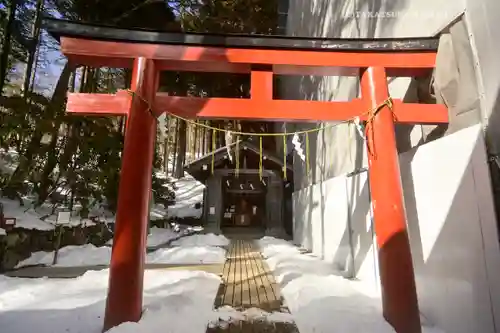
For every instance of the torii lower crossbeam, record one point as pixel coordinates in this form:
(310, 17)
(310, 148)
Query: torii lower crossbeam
(261, 57)
(255, 109)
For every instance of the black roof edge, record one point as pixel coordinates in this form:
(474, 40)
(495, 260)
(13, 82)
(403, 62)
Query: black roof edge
(58, 28)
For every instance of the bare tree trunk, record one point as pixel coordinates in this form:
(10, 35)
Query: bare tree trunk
(204, 139)
(7, 40)
(176, 146)
(35, 36)
(221, 137)
(167, 148)
(208, 143)
(195, 139)
(165, 155)
(187, 155)
(181, 156)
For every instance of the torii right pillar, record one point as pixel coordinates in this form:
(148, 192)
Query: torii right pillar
(397, 277)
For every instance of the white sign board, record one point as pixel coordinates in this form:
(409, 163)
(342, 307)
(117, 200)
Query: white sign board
(211, 211)
(63, 217)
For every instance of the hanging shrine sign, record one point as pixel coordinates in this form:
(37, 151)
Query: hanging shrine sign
(261, 57)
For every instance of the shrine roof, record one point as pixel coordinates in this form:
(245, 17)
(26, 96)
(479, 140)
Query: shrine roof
(195, 168)
(63, 28)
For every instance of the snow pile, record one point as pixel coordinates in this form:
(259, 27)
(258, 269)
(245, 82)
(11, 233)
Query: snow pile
(226, 315)
(25, 218)
(200, 240)
(29, 218)
(90, 255)
(271, 246)
(319, 298)
(196, 249)
(188, 255)
(158, 212)
(77, 305)
(71, 256)
(188, 198)
(159, 236)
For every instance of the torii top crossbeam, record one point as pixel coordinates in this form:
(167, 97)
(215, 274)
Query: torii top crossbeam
(260, 56)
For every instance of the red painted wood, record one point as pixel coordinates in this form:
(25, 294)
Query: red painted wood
(261, 85)
(100, 61)
(290, 110)
(295, 61)
(124, 302)
(199, 66)
(103, 104)
(265, 109)
(399, 295)
(226, 67)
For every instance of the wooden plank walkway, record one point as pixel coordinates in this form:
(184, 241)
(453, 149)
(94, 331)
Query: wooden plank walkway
(248, 283)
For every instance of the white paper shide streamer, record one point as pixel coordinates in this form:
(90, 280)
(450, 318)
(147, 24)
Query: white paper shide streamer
(298, 147)
(229, 141)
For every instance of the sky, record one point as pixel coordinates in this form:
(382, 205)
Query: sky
(50, 64)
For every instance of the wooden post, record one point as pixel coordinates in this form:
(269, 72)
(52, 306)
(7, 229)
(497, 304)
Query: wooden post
(399, 295)
(124, 302)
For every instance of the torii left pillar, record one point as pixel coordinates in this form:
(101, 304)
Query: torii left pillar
(124, 302)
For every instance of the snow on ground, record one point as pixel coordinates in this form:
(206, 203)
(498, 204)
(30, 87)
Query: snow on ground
(319, 299)
(188, 255)
(8, 161)
(159, 236)
(71, 256)
(202, 239)
(157, 212)
(188, 204)
(27, 218)
(188, 194)
(196, 249)
(226, 315)
(77, 305)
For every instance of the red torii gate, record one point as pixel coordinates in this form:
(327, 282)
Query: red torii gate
(261, 57)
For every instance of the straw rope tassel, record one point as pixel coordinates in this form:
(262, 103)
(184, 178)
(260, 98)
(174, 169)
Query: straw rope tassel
(350, 138)
(214, 133)
(237, 156)
(307, 153)
(284, 155)
(260, 158)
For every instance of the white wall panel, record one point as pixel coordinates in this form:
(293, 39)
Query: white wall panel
(335, 151)
(451, 222)
(363, 234)
(456, 274)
